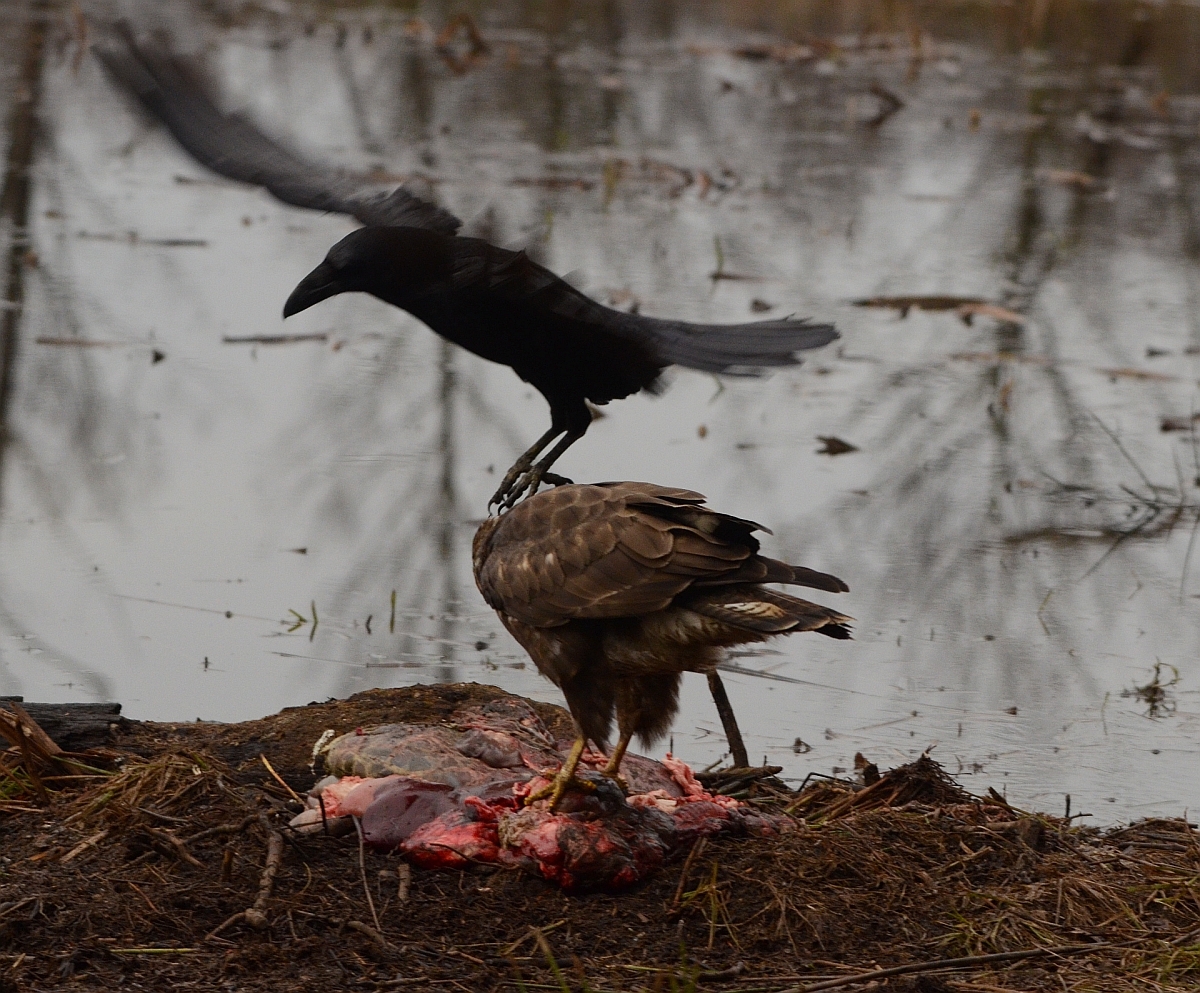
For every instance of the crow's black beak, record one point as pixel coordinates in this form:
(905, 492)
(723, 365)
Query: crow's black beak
(318, 285)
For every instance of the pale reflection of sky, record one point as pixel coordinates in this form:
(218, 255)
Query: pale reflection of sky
(143, 501)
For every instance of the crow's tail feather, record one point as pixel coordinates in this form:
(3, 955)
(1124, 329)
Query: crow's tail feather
(736, 349)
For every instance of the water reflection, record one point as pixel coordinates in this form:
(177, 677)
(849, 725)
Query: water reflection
(1016, 528)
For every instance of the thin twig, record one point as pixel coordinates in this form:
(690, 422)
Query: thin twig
(240, 915)
(1129, 458)
(696, 852)
(152, 951)
(1187, 558)
(1117, 544)
(958, 963)
(362, 868)
(279, 778)
(85, 844)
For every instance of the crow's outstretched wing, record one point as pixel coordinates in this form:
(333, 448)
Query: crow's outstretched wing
(233, 147)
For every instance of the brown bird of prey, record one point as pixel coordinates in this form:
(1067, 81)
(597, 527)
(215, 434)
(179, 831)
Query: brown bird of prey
(497, 303)
(616, 589)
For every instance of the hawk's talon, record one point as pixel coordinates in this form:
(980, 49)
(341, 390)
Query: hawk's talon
(617, 778)
(557, 788)
(563, 779)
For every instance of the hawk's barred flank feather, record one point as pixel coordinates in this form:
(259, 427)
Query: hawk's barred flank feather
(615, 589)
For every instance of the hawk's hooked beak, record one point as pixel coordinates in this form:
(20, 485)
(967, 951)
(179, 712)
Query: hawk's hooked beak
(318, 285)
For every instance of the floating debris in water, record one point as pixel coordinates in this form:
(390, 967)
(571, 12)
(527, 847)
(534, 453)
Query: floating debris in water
(461, 59)
(553, 182)
(967, 308)
(1068, 177)
(834, 446)
(274, 339)
(1180, 423)
(1155, 695)
(867, 770)
(906, 303)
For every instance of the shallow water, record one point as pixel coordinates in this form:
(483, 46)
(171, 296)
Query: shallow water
(1015, 527)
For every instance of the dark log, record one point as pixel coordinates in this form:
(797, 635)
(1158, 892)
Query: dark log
(75, 727)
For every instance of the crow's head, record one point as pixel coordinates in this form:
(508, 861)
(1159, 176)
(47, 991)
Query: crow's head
(390, 263)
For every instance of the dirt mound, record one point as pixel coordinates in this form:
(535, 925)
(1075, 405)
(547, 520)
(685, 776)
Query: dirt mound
(169, 869)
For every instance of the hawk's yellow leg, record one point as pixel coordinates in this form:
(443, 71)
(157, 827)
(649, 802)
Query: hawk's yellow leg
(613, 769)
(563, 779)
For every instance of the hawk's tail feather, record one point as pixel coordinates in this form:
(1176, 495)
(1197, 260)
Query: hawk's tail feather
(815, 580)
(764, 611)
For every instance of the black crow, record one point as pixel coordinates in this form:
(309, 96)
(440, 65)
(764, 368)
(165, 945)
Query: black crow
(497, 303)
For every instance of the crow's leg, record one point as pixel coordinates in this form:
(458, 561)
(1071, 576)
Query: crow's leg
(521, 467)
(733, 734)
(563, 779)
(534, 476)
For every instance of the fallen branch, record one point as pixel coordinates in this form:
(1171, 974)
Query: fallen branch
(85, 844)
(404, 876)
(14, 905)
(207, 833)
(163, 835)
(715, 975)
(377, 939)
(34, 746)
(256, 915)
(221, 829)
(33, 731)
(733, 734)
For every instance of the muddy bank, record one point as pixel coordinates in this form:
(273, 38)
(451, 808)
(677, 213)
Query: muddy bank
(173, 870)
